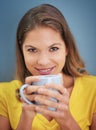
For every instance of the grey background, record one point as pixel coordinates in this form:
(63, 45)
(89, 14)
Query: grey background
(80, 15)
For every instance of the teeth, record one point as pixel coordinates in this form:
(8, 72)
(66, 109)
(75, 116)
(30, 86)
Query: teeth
(44, 70)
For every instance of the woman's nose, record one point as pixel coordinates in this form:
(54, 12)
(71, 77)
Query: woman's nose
(43, 59)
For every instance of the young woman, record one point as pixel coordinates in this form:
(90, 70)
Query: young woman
(45, 46)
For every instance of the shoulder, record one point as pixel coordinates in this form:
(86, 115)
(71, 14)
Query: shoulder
(87, 83)
(8, 92)
(8, 99)
(88, 80)
(8, 87)
(13, 83)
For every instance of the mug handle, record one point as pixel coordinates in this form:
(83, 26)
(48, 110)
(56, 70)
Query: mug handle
(22, 94)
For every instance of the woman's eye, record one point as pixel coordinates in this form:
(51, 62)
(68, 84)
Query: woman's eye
(54, 49)
(32, 50)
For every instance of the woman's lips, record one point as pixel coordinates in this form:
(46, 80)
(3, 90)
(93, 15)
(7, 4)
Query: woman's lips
(45, 71)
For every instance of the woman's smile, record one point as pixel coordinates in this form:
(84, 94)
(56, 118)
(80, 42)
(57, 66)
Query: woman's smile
(45, 71)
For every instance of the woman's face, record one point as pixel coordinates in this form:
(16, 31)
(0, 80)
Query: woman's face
(44, 51)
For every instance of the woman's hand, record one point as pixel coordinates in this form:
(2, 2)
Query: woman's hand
(28, 111)
(62, 114)
(30, 93)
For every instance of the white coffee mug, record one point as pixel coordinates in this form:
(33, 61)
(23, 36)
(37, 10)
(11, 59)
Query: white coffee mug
(53, 79)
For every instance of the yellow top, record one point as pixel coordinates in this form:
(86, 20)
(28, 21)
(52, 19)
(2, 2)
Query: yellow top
(82, 104)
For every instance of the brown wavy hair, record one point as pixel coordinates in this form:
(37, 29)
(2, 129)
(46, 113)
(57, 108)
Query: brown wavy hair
(46, 15)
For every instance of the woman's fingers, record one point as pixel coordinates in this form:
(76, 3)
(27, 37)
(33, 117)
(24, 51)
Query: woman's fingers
(54, 93)
(31, 89)
(59, 88)
(31, 79)
(59, 112)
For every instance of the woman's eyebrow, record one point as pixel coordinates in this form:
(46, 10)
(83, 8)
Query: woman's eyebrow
(55, 44)
(30, 46)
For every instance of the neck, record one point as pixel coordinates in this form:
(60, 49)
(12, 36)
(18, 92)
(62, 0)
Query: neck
(68, 81)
